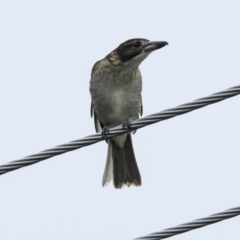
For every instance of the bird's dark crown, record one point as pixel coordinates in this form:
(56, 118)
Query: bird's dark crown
(128, 50)
(131, 48)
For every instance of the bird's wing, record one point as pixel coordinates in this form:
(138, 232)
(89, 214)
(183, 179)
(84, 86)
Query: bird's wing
(97, 123)
(91, 111)
(140, 113)
(141, 110)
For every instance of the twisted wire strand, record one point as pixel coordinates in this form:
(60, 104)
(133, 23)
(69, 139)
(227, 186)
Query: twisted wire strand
(139, 123)
(169, 232)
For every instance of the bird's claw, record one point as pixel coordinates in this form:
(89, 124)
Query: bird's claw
(105, 132)
(127, 125)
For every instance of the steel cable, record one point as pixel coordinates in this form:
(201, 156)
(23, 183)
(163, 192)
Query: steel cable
(169, 232)
(139, 123)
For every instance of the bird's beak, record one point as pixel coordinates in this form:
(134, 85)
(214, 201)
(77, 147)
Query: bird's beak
(151, 46)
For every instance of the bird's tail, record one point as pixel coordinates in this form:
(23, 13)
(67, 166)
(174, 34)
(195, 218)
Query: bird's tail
(121, 165)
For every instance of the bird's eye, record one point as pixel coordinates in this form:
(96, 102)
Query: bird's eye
(136, 44)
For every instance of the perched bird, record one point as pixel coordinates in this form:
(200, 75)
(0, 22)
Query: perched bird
(115, 87)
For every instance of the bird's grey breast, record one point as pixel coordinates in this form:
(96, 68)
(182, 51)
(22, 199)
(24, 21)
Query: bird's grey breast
(116, 93)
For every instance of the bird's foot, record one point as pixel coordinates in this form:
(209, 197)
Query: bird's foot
(105, 132)
(127, 125)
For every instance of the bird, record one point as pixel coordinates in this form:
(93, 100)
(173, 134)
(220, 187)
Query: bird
(116, 99)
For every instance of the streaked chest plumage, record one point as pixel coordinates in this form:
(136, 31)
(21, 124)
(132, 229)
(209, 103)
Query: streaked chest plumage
(116, 94)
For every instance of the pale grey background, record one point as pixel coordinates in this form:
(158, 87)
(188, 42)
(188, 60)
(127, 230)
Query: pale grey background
(190, 165)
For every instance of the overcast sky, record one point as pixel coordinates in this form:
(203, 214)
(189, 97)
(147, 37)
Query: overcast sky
(190, 165)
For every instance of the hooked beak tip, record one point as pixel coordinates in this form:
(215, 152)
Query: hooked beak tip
(151, 46)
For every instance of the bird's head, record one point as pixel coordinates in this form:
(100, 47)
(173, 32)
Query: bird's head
(134, 51)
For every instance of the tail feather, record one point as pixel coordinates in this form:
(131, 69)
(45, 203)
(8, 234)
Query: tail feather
(108, 172)
(121, 165)
(133, 174)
